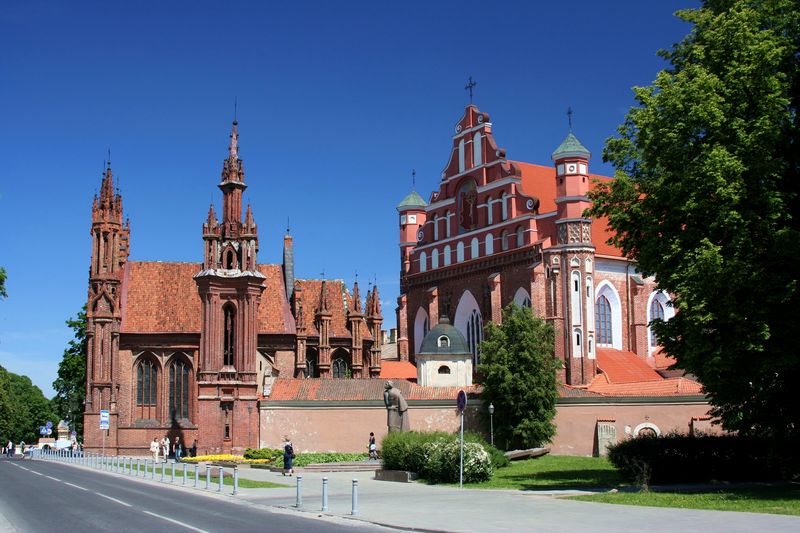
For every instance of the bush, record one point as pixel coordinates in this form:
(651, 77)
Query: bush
(302, 459)
(406, 451)
(499, 459)
(272, 454)
(684, 458)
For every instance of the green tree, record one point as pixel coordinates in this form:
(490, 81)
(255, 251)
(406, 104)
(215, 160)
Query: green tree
(706, 200)
(3, 277)
(518, 370)
(70, 386)
(23, 408)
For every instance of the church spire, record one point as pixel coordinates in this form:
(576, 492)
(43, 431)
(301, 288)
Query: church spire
(323, 298)
(356, 298)
(233, 147)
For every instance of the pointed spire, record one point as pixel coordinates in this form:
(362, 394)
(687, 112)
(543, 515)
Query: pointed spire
(248, 218)
(211, 221)
(233, 148)
(323, 297)
(356, 298)
(376, 301)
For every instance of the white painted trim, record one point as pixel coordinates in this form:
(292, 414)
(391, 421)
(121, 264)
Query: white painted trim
(470, 130)
(509, 222)
(669, 312)
(644, 425)
(605, 288)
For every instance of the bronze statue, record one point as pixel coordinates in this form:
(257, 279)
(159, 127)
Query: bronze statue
(396, 408)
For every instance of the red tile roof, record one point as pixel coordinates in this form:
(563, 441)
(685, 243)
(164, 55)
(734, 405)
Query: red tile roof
(288, 389)
(664, 387)
(398, 370)
(620, 366)
(663, 361)
(339, 301)
(162, 298)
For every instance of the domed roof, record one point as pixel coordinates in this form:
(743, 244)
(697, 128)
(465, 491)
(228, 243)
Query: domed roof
(444, 338)
(411, 201)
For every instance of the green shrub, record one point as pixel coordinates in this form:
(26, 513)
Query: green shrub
(444, 458)
(684, 459)
(499, 459)
(263, 453)
(303, 459)
(406, 451)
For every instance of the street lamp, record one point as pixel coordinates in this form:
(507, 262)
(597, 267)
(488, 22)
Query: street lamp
(491, 422)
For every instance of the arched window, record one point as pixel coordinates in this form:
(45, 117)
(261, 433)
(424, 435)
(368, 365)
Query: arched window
(489, 209)
(447, 216)
(460, 252)
(520, 237)
(575, 299)
(147, 388)
(423, 261)
(436, 220)
(312, 363)
(602, 312)
(474, 245)
(477, 155)
(435, 258)
(444, 369)
(469, 322)
(504, 240)
(229, 336)
(179, 390)
(489, 244)
(504, 207)
(444, 341)
(446, 255)
(461, 156)
(522, 299)
(656, 313)
(421, 327)
(475, 335)
(339, 369)
(230, 259)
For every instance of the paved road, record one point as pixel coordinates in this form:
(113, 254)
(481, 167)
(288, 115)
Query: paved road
(39, 496)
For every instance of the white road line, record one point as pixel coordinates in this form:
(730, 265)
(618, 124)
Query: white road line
(37, 473)
(114, 500)
(53, 478)
(76, 486)
(176, 522)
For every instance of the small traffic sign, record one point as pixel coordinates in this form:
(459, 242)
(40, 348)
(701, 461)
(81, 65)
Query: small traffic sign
(461, 400)
(104, 418)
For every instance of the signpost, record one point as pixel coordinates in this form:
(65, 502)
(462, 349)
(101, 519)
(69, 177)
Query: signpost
(104, 418)
(461, 403)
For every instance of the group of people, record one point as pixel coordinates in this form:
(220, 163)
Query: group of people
(163, 448)
(8, 448)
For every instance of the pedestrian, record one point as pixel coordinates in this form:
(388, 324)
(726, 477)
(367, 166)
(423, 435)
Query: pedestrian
(178, 449)
(165, 447)
(154, 447)
(373, 447)
(193, 449)
(288, 457)
(10, 449)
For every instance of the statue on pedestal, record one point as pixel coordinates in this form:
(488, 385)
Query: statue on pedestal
(396, 408)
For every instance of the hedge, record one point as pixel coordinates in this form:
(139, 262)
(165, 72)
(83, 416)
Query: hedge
(687, 459)
(303, 459)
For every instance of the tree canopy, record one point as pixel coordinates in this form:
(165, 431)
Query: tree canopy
(23, 408)
(518, 374)
(70, 386)
(706, 200)
(3, 293)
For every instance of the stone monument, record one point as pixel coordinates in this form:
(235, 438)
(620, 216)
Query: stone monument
(396, 408)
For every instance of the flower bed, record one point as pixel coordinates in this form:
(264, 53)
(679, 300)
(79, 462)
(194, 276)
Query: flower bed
(225, 459)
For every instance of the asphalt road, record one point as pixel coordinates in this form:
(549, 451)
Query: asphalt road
(40, 497)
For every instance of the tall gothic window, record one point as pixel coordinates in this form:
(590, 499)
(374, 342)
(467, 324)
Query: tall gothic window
(146, 388)
(312, 362)
(339, 369)
(229, 341)
(474, 334)
(656, 311)
(178, 390)
(602, 311)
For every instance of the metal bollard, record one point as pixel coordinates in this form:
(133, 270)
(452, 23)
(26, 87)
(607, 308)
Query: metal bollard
(184, 474)
(153, 473)
(138, 467)
(172, 480)
(299, 501)
(196, 466)
(324, 494)
(208, 477)
(221, 477)
(354, 511)
(235, 480)
(163, 467)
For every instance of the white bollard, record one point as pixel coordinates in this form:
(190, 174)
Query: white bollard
(324, 494)
(354, 511)
(299, 500)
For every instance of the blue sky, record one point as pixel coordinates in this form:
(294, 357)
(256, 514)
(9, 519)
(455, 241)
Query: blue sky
(337, 101)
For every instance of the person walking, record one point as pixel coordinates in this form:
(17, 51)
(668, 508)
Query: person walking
(193, 449)
(165, 447)
(154, 447)
(288, 457)
(373, 447)
(10, 449)
(178, 449)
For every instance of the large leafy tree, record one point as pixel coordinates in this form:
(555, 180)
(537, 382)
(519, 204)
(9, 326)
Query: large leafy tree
(23, 408)
(706, 200)
(518, 370)
(3, 293)
(70, 386)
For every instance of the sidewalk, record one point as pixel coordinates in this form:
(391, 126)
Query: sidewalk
(424, 507)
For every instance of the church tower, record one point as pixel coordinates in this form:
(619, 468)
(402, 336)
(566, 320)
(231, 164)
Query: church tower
(110, 248)
(571, 265)
(412, 220)
(230, 288)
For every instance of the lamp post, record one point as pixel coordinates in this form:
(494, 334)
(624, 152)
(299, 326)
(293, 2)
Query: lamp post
(491, 423)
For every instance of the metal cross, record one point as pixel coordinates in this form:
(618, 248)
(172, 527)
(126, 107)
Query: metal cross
(569, 117)
(413, 178)
(469, 87)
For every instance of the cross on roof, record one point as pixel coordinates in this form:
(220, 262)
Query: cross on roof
(413, 178)
(469, 88)
(569, 117)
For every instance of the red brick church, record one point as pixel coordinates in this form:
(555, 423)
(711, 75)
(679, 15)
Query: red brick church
(188, 349)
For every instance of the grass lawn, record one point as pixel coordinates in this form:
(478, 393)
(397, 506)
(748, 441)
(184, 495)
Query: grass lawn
(773, 500)
(553, 472)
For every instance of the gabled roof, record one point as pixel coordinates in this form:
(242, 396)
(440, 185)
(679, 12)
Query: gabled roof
(664, 387)
(398, 370)
(162, 298)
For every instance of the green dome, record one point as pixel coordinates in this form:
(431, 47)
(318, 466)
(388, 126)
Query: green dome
(411, 201)
(571, 147)
(455, 343)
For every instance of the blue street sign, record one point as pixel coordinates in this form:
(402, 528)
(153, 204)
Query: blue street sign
(104, 417)
(48, 425)
(461, 400)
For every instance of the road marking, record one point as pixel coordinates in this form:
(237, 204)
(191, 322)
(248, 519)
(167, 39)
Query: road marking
(53, 478)
(114, 500)
(176, 522)
(76, 486)
(37, 473)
